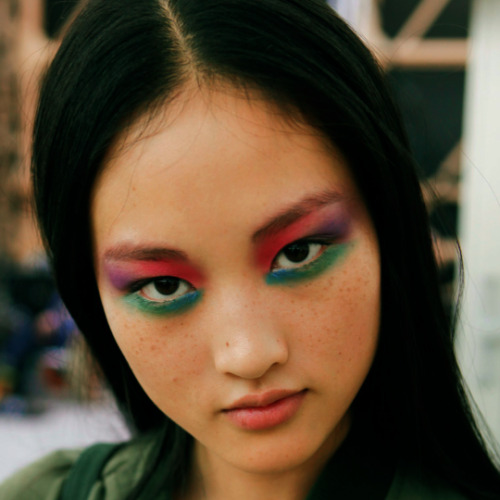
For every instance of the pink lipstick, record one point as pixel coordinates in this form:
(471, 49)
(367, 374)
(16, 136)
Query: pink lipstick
(260, 412)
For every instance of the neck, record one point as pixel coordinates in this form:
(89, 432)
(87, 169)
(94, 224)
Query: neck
(213, 478)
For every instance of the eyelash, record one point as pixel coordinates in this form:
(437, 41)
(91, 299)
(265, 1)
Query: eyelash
(324, 241)
(332, 250)
(176, 305)
(276, 276)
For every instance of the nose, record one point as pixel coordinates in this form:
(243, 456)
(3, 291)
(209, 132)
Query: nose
(247, 338)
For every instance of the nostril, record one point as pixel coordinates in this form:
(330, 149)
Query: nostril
(250, 355)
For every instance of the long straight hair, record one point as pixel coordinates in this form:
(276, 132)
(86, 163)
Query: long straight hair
(122, 59)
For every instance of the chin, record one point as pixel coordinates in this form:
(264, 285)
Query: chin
(276, 452)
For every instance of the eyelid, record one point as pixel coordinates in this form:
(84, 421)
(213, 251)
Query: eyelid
(125, 275)
(183, 288)
(137, 285)
(322, 239)
(134, 289)
(312, 269)
(174, 306)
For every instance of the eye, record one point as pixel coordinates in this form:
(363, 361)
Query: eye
(165, 289)
(297, 254)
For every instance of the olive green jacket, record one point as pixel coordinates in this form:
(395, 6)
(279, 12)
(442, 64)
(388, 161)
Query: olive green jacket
(346, 477)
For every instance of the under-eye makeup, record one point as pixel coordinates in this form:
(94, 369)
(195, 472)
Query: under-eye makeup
(171, 307)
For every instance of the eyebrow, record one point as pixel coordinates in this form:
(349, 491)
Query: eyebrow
(131, 251)
(296, 212)
(286, 217)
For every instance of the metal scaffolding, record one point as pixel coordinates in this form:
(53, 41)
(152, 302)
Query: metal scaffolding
(409, 48)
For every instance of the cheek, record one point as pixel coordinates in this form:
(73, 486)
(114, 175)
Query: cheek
(165, 360)
(340, 324)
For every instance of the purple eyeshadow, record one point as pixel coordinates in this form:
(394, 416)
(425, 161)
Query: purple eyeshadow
(118, 278)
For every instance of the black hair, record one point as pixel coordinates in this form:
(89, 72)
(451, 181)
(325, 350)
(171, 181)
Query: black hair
(121, 59)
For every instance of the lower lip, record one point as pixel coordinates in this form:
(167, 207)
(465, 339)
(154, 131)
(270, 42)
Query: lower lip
(265, 417)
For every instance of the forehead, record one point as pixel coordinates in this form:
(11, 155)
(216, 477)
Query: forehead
(211, 156)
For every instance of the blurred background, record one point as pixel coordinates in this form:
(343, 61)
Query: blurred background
(443, 61)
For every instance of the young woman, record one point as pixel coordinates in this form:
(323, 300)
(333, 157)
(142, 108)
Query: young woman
(234, 221)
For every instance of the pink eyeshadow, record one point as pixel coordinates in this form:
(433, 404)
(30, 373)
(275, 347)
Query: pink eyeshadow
(333, 221)
(122, 274)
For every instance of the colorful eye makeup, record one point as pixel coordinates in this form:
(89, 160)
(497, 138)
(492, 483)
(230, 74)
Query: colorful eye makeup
(123, 273)
(333, 224)
(300, 251)
(312, 268)
(173, 306)
(307, 248)
(160, 287)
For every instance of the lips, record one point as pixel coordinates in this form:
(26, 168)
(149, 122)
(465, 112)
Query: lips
(264, 411)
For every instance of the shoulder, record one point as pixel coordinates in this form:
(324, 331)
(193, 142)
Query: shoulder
(124, 469)
(409, 485)
(44, 479)
(40, 480)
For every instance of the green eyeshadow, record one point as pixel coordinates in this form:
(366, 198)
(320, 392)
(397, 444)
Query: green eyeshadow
(173, 307)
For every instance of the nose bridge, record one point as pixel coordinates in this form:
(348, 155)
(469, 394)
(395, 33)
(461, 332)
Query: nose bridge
(247, 336)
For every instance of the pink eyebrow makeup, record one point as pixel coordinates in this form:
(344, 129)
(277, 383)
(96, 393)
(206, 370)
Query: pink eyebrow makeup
(332, 221)
(123, 273)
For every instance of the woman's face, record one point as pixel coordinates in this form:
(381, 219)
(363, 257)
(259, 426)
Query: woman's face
(239, 272)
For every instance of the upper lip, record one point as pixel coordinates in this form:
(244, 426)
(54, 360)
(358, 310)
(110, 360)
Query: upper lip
(260, 400)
